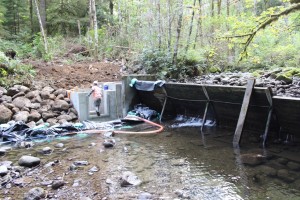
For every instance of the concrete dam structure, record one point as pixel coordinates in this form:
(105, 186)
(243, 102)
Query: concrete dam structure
(269, 117)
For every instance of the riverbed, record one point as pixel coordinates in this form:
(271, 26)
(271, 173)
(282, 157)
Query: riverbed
(175, 164)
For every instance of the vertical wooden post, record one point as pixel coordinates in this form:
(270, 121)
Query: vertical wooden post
(269, 97)
(165, 102)
(243, 113)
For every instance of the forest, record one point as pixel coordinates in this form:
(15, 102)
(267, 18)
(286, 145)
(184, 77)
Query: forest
(170, 38)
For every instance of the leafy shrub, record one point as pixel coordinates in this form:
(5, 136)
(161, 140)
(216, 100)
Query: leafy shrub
(14, 72)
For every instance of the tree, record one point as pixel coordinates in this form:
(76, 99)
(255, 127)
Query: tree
(41, 27)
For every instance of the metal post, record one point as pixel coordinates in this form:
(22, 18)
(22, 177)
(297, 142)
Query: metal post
(165, 102)
(269, 97)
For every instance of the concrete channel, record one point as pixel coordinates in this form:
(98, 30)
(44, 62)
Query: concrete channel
(268, 115)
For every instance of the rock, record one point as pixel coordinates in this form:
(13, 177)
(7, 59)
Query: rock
(73, 116)
(15, 110)
(6, 163)
(3, 90)
(48, 115)
(285, 175)
(31, 124)
(41, 121)
(284, 78)
(12, 91)
(52, 97)
(20, 94)
(24, 144)
(65, 117)
(49, 89)
(22, 88)
(35, 105)
(5, 115)
(21, 102)
(80, 163)
(47, 150)
(33, 94)
(293, 166)
(94, 169)
(52, 121)
(269, 171)
(3, 170)
(35, 194)
(61, 92)
(252, 159)
(45, 95)
(109, 143)
(2, 152)
(60, 105)
(46, 183)
(29, 161)
(73, 110)
(21, 116)
(6, 98)
(36, 99)
(34, 116)
(128, 178)
(144, 196)
(59, 145)
(57, 184)
(60, 96)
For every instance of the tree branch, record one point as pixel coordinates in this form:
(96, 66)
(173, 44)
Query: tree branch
(263, 25)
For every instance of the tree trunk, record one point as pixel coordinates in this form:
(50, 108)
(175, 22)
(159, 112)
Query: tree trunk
(43, 13)
(79, 29)
(159, 25)
(199, 27)
(219, 7)
(41, 27)
(31, 15)
(94, 17)
(178, 31)
(169, 26)
(111, 7)
(191, 28)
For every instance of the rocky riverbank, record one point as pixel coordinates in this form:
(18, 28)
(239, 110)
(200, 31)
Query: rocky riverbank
(35, 106)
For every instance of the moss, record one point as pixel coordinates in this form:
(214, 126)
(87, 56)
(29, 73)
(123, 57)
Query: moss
(284, 78)
(214, 69)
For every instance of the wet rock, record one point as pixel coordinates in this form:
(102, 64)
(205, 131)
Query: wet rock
(293, 166)
(24, 144)
(284, 175)
(92, 144)
(6, 163)
(29, 161)
(129, 179)
(6, 114)
(21, 116)
(21, 102)
(144, 196)
(252, 159)
(179, 193)
(35, 194)
(108, 134)
(41, 121)
(59, 145)
(47, 150)
(77, 182)
(57, 184)
(94, 169)
(46, 183)
(60, 105)
(3, 170)
(80, 163)
(268, 171)
(284, 78)
(31, 124)
(109, 143)
(282, 161)
(178, 162)
(2, 152)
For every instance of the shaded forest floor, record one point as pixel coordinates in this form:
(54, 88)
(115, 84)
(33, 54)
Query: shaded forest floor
(61, 74)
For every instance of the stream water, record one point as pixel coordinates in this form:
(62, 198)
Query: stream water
(172, 165)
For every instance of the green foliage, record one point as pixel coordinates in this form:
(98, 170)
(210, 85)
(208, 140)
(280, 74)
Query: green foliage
(14, 72)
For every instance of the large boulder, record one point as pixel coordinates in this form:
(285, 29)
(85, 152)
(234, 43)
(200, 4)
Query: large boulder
(21, 116)
(5, 115)
(29, 161)
(60, 105)
(21, 102)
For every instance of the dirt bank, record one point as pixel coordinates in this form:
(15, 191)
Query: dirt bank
(60, 74)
